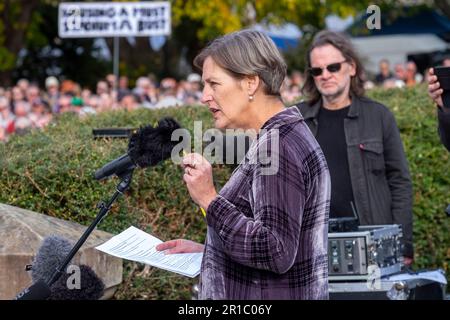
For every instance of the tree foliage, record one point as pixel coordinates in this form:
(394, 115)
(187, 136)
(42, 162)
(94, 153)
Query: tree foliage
(15, 17)
(47, 54)
(220, 17)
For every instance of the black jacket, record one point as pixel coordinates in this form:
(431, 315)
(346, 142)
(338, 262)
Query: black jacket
(379, 173)
(444, 127)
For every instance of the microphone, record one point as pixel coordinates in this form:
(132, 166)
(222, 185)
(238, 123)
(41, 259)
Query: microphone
(37, 291)
(51, 254)
(118, 166)
(91, 286)
(147, 147)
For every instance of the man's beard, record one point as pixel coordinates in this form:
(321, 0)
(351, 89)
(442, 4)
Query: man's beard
(333, 96)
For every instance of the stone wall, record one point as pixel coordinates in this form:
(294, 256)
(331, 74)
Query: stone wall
(21, 235)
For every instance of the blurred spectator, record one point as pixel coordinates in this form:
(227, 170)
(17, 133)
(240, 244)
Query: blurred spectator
(93, 101)
(23, 84)
(22, 125)
(32, 93)
(168, 94)
(52, 93)
(77, 104)
(145, 91)
(297, 79)
(291, 87)
(22, 122)
(129, 102)
(106, 103)
(40, 115)
(69, 87)
(385, 72)
(399, 71)
(65, 104)
(111, 80)
(2, 134)
(400, 75)
(16, 96)
(367, 84)
(87, 109)
(90, 104)
(295, 92)
(4, 107)
(193, 93)
(123, 88)
(284, 90)
(8, 94)
(411, 76)
(6, 118)
(182, 89)
(102, 87)
(85, 95)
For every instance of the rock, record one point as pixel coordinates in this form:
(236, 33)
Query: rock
(22, 232)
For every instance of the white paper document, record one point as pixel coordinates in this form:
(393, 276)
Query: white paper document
(137, 245)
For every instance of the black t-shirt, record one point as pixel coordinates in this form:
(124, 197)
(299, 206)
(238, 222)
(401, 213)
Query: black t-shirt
(331, 138)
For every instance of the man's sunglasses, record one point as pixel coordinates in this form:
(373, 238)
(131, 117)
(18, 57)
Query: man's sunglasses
(333, 67)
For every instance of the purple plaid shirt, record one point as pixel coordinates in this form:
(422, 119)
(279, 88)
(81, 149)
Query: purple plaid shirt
(267, 233)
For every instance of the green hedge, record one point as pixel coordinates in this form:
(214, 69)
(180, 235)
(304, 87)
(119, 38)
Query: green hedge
(51, 171)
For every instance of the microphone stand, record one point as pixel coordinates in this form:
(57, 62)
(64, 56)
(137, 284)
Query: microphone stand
(104, 208)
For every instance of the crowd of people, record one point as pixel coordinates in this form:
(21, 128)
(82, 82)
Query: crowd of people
(403, 75)
(26, 106)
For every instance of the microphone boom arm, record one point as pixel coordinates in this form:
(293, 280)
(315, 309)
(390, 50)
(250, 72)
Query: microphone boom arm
(104, 208)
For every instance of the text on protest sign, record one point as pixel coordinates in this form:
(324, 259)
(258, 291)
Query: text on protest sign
(113, 19)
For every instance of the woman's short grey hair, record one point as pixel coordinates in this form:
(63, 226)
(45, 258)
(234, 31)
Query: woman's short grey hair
(247, 53)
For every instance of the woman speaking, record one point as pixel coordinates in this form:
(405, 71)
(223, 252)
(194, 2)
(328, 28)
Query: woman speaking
(267, 227)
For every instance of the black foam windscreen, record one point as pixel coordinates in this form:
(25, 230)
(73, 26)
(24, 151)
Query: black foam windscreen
(151, 145)
(90, 286)
(50, 255)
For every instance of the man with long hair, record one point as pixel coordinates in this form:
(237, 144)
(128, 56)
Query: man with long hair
(359, 137)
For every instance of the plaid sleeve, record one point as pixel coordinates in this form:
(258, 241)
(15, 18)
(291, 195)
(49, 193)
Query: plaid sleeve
(270, 239)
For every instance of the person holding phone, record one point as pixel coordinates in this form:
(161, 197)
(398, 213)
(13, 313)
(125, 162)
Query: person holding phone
(435, 92)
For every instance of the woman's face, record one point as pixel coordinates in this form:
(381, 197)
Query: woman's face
(225, 96)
